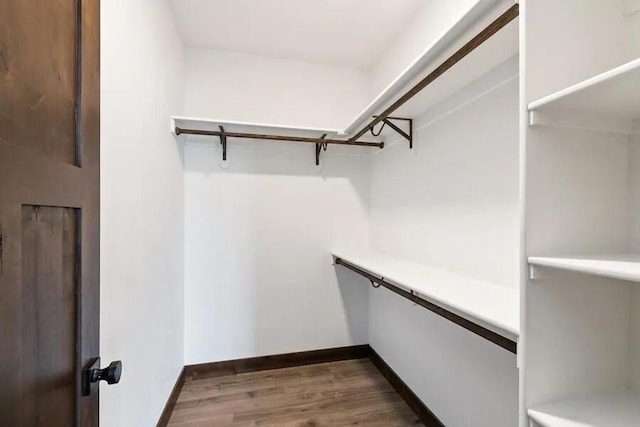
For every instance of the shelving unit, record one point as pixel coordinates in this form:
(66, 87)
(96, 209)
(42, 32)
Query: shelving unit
(609, 101)
(615, 410)
(623, 267)
(491, 306)
(581, 331)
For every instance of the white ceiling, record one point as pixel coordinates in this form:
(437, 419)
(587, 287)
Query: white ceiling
(341, 32)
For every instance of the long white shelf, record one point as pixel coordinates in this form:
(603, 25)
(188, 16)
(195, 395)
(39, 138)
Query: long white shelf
(612, 99)
(241, 126)
(621, 266)
(616, 410)
(492, 306)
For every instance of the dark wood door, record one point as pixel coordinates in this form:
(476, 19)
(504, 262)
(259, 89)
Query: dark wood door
(49, 210)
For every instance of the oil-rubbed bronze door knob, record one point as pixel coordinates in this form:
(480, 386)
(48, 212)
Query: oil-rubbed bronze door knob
(111, 374)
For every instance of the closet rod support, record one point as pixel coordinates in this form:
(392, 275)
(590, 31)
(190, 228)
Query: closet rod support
(223, 142)
(320, 146)
(388, 121)
(271, 137)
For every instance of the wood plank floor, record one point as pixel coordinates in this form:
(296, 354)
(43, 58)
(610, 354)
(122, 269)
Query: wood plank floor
(346, 393)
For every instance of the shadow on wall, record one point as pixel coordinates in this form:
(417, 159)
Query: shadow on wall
(354, 294)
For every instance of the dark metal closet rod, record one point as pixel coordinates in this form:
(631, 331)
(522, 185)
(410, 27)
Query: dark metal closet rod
(501, 22)
(180, 131)
(485, 333)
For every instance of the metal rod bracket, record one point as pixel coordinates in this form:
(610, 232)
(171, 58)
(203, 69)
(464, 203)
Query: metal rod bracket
(389, 121)
(223, 142)
(320, 146)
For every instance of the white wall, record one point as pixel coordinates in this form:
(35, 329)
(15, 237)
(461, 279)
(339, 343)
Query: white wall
(452, 203)
(634, 170)
(432, 20)
(596, 42)
(259, 278)
(442, 202)
(259, 89)
(464, 379)
(634, 29)
(633, 9)
(142, 210)
(259, 229)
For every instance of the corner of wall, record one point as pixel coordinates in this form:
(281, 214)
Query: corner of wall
(142, 209)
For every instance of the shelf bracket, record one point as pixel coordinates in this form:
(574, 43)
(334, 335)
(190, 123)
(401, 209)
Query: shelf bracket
(223, 142)
(320, 146)
(534, 272)
(389, 121)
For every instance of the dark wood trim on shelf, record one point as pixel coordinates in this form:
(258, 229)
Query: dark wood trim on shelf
(263, 363)
(477, 329)
(171, 402)
(423, 412)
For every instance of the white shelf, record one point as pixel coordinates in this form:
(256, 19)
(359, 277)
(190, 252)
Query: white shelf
(240, 126)
(618, 410)
(489, 305)
(499, 48)
(622, 266)
(612, 95)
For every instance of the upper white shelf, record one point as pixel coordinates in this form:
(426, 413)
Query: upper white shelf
(613, 95)
(623, 267)
(492, 306)
(621, 410)
(493, 52)
(240, 126)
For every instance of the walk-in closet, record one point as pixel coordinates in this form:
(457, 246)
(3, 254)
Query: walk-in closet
(242, 213)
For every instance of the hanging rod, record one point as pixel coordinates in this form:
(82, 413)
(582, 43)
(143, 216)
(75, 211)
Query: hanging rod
(501, 22)
(485, 333)
(320, 142)
(180, 131)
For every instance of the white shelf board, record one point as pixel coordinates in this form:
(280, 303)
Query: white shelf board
(614, 93)
(616, 410)
(493, 52)
(621, 266)
(240, 126)
(487, 304)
